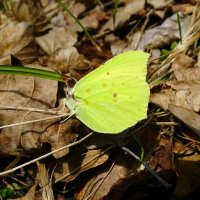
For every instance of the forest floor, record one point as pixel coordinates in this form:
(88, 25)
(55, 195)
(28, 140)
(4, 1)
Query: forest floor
(74, 38)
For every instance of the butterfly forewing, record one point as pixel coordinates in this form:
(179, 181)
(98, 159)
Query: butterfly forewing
(115, 96)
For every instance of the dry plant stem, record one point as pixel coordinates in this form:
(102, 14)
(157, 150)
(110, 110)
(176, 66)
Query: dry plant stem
(164, 67)
(20, 182)
(47, 111)
(143, 28)
(37, 120)
(189, 38)
(46, 155)
(162, 181)
(43, 178)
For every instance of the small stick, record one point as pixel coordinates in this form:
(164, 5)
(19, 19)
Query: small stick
(162, 181)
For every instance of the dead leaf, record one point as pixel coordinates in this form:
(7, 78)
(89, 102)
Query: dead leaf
(97, 184)
(92, 19)
(14, 37)
(78, 162)
(29, 92)
(30, 195)
(76, 8)
(131, 8)
(58, 38)
(189, 117)
(60, 135)
(65, 60)
(164, 34)
(44, 181)
(188, 169)
(105, 177)
(164, 157)
(31, 12)
(160, 4)
(183, 89)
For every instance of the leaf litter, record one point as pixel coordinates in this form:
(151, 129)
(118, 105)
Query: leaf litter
(42, 34)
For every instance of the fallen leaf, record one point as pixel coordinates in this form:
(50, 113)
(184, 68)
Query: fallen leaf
(188, 169)
(160, 4)
(132, 7)
(189, 117)
(31, 12)
(97, 184)
(77, 162)
(183, 89)
(164, 34)
(58, 38)
(27, 92)
(65, 60)
(43, 180)
(30, 195)
(14, 37)
(59, 135)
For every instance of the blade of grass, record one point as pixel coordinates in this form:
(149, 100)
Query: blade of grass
(28, 71)
(116, 3)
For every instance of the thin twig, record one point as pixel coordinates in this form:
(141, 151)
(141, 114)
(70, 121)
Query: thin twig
(164, 183)
(36, 120)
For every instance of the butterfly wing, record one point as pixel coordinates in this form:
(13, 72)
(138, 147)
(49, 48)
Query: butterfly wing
(114, 96)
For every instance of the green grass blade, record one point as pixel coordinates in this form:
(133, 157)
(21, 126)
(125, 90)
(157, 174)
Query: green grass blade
(28, 71)
(116, 3)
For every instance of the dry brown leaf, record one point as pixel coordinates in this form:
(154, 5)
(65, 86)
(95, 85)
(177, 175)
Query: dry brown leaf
(76, 8)
(31, 12)
(160, 4)
(164, 34)
(78, 162)
(188, 175)
(187, 161)
(65, 60)
(184, 89)
(60, 135)
(30, 195)
(58, 38)
(92, 19)
(44, 181)
(97, 186)
(189, 117)
(29, 92)
(14, 37)
(123, 14)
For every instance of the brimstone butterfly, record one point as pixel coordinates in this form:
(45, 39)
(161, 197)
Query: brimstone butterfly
(113, 97)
